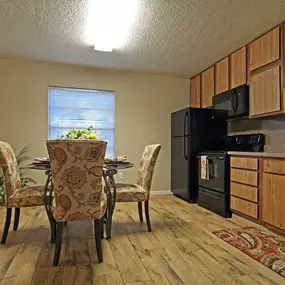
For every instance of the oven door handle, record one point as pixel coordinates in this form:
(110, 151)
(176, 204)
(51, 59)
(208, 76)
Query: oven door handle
(210, 157)
(210, 194)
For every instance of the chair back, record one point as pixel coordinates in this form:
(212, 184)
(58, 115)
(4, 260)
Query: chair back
(147, 164)
(10, 169)
(77, 170)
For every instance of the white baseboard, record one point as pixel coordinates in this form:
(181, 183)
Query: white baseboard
(160, 192)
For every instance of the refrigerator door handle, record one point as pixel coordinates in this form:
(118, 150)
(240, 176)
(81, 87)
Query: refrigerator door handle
(185, 148)
(185, 124)
(185, 137)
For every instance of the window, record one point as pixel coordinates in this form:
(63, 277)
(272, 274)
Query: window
(79, 108)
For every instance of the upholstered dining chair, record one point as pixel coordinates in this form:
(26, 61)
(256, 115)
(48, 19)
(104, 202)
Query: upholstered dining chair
(140, 192)
(16, 196)
(77, 171)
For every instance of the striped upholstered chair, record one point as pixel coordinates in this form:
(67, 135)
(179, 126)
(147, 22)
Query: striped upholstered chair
(140, 192)
(16, 196)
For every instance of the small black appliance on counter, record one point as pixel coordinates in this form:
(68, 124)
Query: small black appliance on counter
(214, 193)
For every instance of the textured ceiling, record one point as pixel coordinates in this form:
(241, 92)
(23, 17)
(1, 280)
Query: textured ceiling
(180, 37)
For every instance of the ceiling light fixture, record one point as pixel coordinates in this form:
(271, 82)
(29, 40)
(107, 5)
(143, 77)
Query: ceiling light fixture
(109, 23)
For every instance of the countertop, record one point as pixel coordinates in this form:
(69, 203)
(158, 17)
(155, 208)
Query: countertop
(257, 154)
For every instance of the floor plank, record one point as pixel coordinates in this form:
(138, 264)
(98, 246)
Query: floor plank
(181, 249)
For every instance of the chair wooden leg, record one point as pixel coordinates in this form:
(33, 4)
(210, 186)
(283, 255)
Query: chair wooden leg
(146, 207)
(140, 211)
(98, 235)
(58, 242)
(16, 219)
(7, 225)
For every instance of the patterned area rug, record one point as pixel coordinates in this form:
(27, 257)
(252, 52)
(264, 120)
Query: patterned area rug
(263, 247)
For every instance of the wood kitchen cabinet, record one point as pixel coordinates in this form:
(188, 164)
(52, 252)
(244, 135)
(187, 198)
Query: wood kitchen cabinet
(207, 87)
(265, 92)
(244, 189)
(257, 190)
(244, 207)
(265, 49)
(222, 76)
(273, 200)
(244, 176)
(195, 92)
(238, 70)
(244, 163)
(260, 64)
(274, 166)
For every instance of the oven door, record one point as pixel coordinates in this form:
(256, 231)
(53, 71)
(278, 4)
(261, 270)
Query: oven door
(217, 167)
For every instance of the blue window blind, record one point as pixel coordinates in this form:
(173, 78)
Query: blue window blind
(79, 108)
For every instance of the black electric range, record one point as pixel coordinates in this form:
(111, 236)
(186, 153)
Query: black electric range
(214, 192)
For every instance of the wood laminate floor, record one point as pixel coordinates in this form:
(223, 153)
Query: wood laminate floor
(181, 249)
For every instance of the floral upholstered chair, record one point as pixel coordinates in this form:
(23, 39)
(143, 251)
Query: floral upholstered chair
(140, 192)
(16, 196)
(77, 171)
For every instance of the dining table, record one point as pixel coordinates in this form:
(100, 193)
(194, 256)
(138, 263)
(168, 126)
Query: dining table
(110, 169)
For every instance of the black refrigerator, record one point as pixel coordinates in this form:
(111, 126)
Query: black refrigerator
(192, 130)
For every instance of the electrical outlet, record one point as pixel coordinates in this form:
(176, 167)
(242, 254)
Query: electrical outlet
(121, 175)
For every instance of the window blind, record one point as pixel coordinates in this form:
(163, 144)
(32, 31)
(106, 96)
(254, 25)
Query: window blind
(80, 108)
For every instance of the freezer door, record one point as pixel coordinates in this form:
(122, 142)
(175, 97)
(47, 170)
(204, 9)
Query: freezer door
(179, 167)
(180, 123)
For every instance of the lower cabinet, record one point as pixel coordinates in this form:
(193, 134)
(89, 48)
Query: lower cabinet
(273, 200)
(244, 186)
(245, 207)
(258, 190)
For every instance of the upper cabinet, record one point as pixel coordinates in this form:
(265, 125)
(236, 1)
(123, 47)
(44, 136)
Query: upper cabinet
(266, 74)
(222, 76)
(261, 64)
(238, 68)
(195, 92)
(265, 93)
(207, 87)
(265, 49)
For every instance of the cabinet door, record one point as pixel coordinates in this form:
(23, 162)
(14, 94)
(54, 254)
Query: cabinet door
(273, 200)
(265, 49)
(195, 92)
(207, 91)
(244, 163)
(222, 76)
(245, 207)
(244, 176)
(238, 68)
(265, 93)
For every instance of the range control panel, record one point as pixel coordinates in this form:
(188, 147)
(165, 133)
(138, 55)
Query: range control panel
(249, 142)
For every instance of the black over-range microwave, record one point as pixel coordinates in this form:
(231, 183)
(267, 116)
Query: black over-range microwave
(232, 103)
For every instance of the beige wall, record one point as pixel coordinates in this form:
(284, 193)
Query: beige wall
(143, 106)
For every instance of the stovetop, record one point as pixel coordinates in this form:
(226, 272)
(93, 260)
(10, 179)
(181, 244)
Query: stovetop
(245, 143)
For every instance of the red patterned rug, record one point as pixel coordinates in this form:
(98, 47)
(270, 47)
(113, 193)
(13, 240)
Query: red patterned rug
(262, 246)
